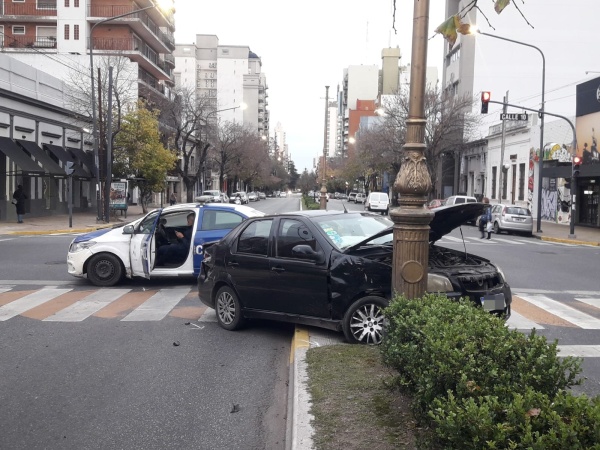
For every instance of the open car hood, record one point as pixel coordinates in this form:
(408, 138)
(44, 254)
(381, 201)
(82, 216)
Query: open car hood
(446, 219)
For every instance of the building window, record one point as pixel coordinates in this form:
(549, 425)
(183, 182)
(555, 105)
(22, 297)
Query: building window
(18, 30)
(66, 3)
(76, 3)
(66, 32)
(522, 181)
(76, 32)
(504, 182)
(494, 179)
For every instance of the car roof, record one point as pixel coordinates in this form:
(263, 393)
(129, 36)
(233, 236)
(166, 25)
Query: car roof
(246, 210)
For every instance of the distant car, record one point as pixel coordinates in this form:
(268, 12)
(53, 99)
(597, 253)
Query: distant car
(352, 196)
(212, 196)
(333, 269)
(458, 199)
(252, 196)
(106, 256)
(262, 196)
(283, 194)
(336, 195)
(436, 203)
(378, 201)
(512, 219)
(243, 197)
(360, 198)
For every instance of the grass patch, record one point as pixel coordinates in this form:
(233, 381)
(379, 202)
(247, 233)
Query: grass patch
(353, 402)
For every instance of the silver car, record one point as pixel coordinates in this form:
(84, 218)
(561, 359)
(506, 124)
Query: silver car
(512, 218)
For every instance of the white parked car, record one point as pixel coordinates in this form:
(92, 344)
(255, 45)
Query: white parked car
(213, 196)
(378, 201)
(360, 198)
(165, 242)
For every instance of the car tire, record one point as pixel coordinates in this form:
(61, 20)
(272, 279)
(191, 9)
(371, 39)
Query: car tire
(228, 309)
(496, 228)
(104, 270)
(364, 320)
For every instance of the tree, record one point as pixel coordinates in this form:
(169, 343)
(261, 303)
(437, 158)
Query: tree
(139, 154)
(307, 181)
(186, 117)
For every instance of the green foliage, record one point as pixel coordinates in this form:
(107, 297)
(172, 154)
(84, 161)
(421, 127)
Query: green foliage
(139, 154)
(310, 203)
(479, 384)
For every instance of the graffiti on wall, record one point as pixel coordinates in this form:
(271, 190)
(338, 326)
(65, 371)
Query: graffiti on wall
(533, 158)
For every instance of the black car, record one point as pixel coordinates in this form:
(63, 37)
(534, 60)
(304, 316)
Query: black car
(333, 269)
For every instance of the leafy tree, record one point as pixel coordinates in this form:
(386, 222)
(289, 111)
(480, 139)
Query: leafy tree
(307, 181)
(139, 154)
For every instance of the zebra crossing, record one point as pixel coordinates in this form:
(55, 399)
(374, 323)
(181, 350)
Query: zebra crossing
(501, 240)
(66, 304)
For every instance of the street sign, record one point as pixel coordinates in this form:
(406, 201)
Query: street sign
(513, 116)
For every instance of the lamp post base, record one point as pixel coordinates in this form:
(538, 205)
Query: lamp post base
(323, 199)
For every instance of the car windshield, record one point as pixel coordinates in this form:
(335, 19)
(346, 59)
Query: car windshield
(346, 230)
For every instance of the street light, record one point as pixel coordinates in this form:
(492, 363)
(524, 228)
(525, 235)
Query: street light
(94, 117)
(473, 30)
(323, 204)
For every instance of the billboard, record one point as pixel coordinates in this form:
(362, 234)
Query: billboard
(587, 122)
(118, 195)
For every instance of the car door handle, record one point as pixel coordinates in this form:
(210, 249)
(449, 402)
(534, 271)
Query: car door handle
(233, 264)
(277, 269)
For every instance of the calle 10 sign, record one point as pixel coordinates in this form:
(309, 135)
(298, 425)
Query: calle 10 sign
(513, 116)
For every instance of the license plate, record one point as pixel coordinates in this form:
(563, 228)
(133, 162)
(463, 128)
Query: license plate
(493, 302)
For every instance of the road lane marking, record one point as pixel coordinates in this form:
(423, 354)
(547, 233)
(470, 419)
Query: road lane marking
(595, 302)
(28, 302)
(157, 306)
(586, 351)
(509, 241)
(520, 322)
(87, 306)
(563, 311)
(6, 289)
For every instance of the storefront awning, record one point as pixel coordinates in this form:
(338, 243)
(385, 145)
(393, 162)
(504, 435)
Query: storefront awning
(27, 165)
(64, 156)
(53, 169)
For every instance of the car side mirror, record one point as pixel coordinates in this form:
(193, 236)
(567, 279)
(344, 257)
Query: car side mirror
(128, 229)
(304, 251)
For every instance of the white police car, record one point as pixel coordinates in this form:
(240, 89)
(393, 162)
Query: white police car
(131, 250)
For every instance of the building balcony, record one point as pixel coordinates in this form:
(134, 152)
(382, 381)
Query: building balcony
(28, 12)
(140, 22)
(169, 59)
(136, 51)
(149, 87)
(21, 43)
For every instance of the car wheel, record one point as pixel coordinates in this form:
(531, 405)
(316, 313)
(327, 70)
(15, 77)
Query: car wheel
(363, 322)
(104, 269)
(229, 309)
(496, 228)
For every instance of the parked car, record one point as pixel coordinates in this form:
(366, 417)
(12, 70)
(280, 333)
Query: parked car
(352, 196)
(360, 198)
(243, 197)
(283, 194)
(333, 269)
(213, 196)
(512, 219)
(458, 199)
(262, 196)
(252, 196)
(130, 250)
(378, 201)
(436, 203)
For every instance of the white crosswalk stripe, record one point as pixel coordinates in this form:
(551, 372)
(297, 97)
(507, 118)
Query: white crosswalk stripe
(563, 311)
(28, 302)
(519, 322)
(87, 306)
(157, 306)
(6, 289)
(508, 241)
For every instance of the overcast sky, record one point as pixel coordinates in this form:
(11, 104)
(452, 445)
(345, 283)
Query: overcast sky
(306, 45)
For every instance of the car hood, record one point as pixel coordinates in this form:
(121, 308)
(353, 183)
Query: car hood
(445, 219)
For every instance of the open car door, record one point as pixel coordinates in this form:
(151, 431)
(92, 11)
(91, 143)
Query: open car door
(142, 245)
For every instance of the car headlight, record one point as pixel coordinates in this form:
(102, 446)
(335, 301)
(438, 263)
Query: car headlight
(438, 283)
(500, 272)
(78, 246)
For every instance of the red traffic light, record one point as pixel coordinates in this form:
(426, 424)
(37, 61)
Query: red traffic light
(485, 99)
(576, 160)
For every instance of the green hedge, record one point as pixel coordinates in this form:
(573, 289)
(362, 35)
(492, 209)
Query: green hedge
(309, 202)
(477, 384)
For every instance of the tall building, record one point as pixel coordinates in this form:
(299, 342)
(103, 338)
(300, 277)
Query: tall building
(229, 76)
(55, 36)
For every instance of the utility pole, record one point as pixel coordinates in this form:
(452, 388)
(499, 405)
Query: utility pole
(107, 184)
(324, 168)
(502, 144)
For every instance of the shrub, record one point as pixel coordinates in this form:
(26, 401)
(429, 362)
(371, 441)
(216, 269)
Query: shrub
(467, 371)
(309, 202)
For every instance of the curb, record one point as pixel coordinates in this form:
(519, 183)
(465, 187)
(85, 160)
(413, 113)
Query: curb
(568, 241)
(63, 231)
(299, 432)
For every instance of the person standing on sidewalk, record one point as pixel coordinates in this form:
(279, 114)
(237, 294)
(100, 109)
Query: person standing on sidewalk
(19, 198)
(173, 198)
(485, 220)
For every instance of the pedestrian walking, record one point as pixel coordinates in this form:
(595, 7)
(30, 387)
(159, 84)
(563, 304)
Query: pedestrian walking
(173, 198)
(485, 220)
(18, 200)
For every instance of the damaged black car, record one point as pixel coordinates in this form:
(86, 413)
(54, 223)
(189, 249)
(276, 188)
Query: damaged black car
(333, 269)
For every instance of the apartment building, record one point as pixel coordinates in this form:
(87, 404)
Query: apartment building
(55, 36)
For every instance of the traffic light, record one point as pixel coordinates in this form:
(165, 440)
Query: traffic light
(576, 164)
(69, 167)
(485, 100)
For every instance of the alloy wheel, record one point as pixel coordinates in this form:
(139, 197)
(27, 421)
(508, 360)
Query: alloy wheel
(366, 324)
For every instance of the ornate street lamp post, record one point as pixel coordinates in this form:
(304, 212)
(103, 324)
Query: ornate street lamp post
(323, 204)
(411, 219)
